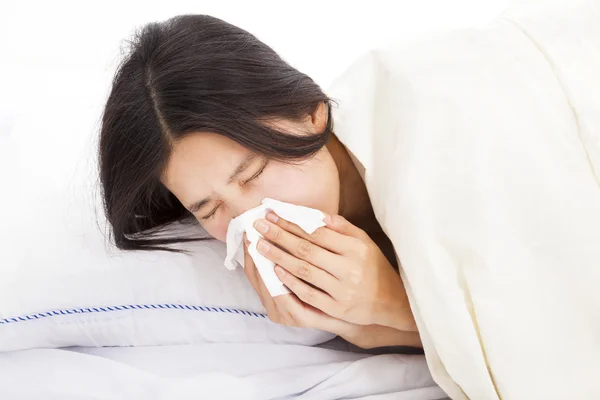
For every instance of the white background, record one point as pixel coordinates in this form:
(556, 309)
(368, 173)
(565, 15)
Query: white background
(57, 60)
(318, 37)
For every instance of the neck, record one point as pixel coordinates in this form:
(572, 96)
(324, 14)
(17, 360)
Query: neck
(355, 204)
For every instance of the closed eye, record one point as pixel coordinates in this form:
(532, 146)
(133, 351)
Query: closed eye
(213, 212)
(257, 174)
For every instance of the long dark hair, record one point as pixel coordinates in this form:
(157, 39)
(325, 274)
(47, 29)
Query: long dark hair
(188, 74)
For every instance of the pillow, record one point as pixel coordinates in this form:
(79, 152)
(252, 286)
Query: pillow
(61, 284)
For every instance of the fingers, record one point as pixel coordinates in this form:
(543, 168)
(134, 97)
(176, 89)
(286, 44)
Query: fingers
(288, 309)
(304, 315)
(308, 294)
(300, 268)
(259, 286)
(323, 237)
(298, 247)
(341, 225)
(274, 312)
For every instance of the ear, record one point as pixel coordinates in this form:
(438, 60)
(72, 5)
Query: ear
(320, 117)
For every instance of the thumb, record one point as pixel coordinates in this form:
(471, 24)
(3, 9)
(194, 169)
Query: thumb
(342, 225)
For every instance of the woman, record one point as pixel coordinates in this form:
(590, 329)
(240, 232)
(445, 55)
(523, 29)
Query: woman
(204, 121)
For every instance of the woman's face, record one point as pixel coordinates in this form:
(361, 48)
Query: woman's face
(224, 179)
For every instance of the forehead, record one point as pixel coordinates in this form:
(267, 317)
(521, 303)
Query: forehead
(201, 158)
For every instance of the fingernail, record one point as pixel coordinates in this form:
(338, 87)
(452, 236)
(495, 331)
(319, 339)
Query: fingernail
(261, 226)
(271, 216)
(327, 219)
(263, 246)
(279, 271)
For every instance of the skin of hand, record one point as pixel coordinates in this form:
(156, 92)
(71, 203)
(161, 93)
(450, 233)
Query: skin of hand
(350, 278)
(291, 310)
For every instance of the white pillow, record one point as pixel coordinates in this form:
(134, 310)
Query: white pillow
(61, 285)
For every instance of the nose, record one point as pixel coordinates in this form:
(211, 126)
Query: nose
(243, 204)
(235, 209)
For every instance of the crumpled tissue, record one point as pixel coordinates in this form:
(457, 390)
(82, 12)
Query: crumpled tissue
(308, 219)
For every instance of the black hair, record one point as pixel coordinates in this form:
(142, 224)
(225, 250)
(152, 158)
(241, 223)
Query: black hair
(188, 74)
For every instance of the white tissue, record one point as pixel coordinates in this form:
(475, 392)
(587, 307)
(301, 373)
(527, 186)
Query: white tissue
(308, 219)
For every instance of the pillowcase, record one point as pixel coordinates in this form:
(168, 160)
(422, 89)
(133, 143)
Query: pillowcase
(62, 284)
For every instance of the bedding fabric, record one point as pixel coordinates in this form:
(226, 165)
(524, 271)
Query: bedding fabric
(138, 300)
(213, 371)
(481, 151)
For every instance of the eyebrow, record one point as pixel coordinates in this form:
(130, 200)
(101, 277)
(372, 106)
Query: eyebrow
(240, 168)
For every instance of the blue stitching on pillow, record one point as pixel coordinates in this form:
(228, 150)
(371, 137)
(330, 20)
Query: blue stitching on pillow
(92, 310)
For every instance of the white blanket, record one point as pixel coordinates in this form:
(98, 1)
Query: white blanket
(482, 156)
(212, 371)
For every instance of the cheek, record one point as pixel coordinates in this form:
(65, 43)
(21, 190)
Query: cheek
(216, 228)
(311, 187)
(291, 186)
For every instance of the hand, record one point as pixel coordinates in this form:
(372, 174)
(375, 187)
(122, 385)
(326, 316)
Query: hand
(287, 309)
(290, 311)
(351, 278)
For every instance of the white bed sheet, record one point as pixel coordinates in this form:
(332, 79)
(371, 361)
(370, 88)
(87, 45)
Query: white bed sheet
(217, 370)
